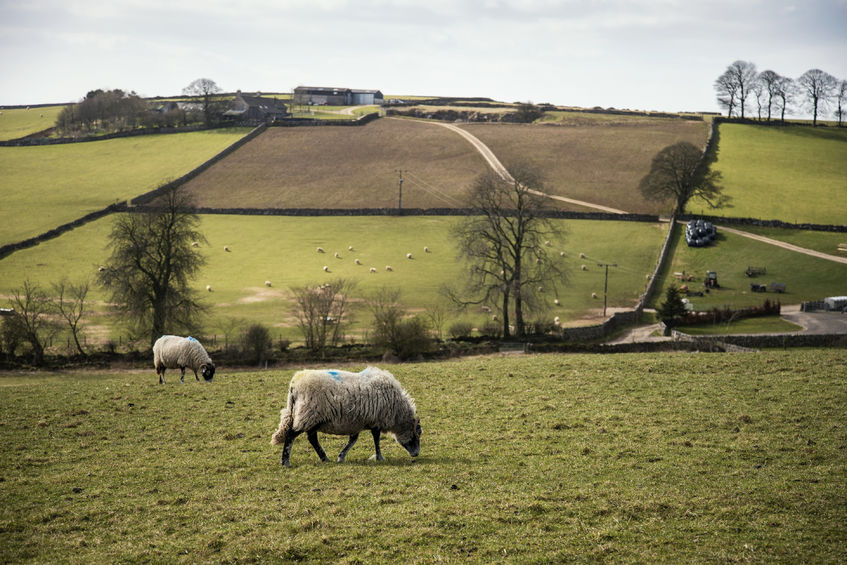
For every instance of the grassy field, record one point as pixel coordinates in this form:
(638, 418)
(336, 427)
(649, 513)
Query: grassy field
(44, 187)
(794, 174)
(282, 250)
(20, 122)
(685, 458)
(598, 160)
(807, 278)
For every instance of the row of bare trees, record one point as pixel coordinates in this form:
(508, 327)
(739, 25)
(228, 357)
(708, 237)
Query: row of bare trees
(742, 87)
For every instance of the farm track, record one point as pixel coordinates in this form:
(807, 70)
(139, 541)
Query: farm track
(500, 170)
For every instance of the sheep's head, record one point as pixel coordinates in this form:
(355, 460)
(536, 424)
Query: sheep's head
(410, 437)
(208, 371)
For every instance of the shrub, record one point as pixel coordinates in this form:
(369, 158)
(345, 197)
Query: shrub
(491, 329)
(460, 329)
(257, 342)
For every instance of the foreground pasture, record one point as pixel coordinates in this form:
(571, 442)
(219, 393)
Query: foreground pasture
(636, 458)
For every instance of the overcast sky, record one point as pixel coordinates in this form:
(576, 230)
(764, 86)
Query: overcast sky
(641, 54)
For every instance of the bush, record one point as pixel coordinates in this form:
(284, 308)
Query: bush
(412, 338)
(257, 342)
(491, 329)
(460, 329)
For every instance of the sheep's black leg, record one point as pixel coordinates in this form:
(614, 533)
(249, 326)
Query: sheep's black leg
(286, 447)
(161, 376)
(379, 456)
(182, 376)
(195, 376)
(313, 439)
(347, 447)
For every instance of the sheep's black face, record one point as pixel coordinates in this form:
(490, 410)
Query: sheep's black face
(412, 441)
(208, 371)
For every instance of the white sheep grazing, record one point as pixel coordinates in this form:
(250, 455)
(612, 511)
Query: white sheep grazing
(593, 295)
(176, 352)
(195, 244)
(556, 320)
(337, 256)
(426, 249)
(268, 283)
(226, 248)
(556, 301)
(357, 262)
(582, 255)
(345, 403)
(561, 253)
(349, 248)
(388, 268)
(209, 288)
(408, 255)
(320, 250)
(326, 268)
(372, 269)
(584, 268)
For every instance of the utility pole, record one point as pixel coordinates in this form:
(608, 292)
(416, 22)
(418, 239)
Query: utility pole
(606, 283)
(399, 189)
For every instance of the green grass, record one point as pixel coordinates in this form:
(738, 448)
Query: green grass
(766, 324)
(795, 174)
(65, 182)
(283, 250)
(679, 458)
(807, 278)
(825, 242)
(20, 122)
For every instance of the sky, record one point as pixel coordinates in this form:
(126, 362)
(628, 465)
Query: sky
(659, 55)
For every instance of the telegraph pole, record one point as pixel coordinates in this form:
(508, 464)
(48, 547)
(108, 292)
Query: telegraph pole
(606, 283)
(399, 189)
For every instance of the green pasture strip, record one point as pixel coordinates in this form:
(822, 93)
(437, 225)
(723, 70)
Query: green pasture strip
(795, 174)
(283, 251)
(763, 325)
(807, 278)
(677, 458)
(44, 187)
(825, 242)
(20, 122)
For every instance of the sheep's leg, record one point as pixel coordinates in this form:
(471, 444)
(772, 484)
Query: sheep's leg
(161, 373)
(195, 375)
(347, 447)
(313, 439)
(379, 456)
(286, 447)
(182, 376)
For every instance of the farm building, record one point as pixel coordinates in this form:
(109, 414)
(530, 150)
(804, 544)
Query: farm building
(254, 109)
(331, 96)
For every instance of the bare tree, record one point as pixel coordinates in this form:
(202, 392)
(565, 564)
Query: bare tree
(727, 91)
(818, 87)
(784, 89)
(152, 264)
(735, 85)
(770, 82)
(840, 98)
(70, 301)
(503, 245)
(321, 312)
(207, 90)
(678, 172)
(31, 322)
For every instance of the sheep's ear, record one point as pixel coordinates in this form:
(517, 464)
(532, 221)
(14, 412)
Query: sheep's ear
(418, 430)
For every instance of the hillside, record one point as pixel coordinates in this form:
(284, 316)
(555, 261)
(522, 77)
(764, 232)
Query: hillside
(355, 167)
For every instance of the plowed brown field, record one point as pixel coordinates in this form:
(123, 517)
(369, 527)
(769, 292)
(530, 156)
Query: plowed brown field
(356, 167)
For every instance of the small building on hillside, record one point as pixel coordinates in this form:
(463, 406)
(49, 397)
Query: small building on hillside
(254, 109)
(334, 96)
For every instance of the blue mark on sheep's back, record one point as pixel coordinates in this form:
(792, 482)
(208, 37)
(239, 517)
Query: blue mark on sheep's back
(191, 338)
(334, 375)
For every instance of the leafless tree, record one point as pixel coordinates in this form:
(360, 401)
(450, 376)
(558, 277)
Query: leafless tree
(678, 172)
(70, 302)
(503, 243)
(840, 98)
(770, 82)
(152, 264)
(207, 90)
(31, 321)
(818, 88)
(735, 85)
(784, 89)
(322, 312)
(727, 91)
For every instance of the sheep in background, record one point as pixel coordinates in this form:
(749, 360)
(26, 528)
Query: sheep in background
(268, 283)
(326, 268)
(209, 288)
(372, 269)
(556, 301)
(195, 244)
(337, 256)
(357, 262)
(582, 255)
(426, 249)
(320, 250)
(226, 248)
(593, 295)
(388, 268)
(584, 268)
(345, 403)
(349, 248)
(175, 352)
(408, 255)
